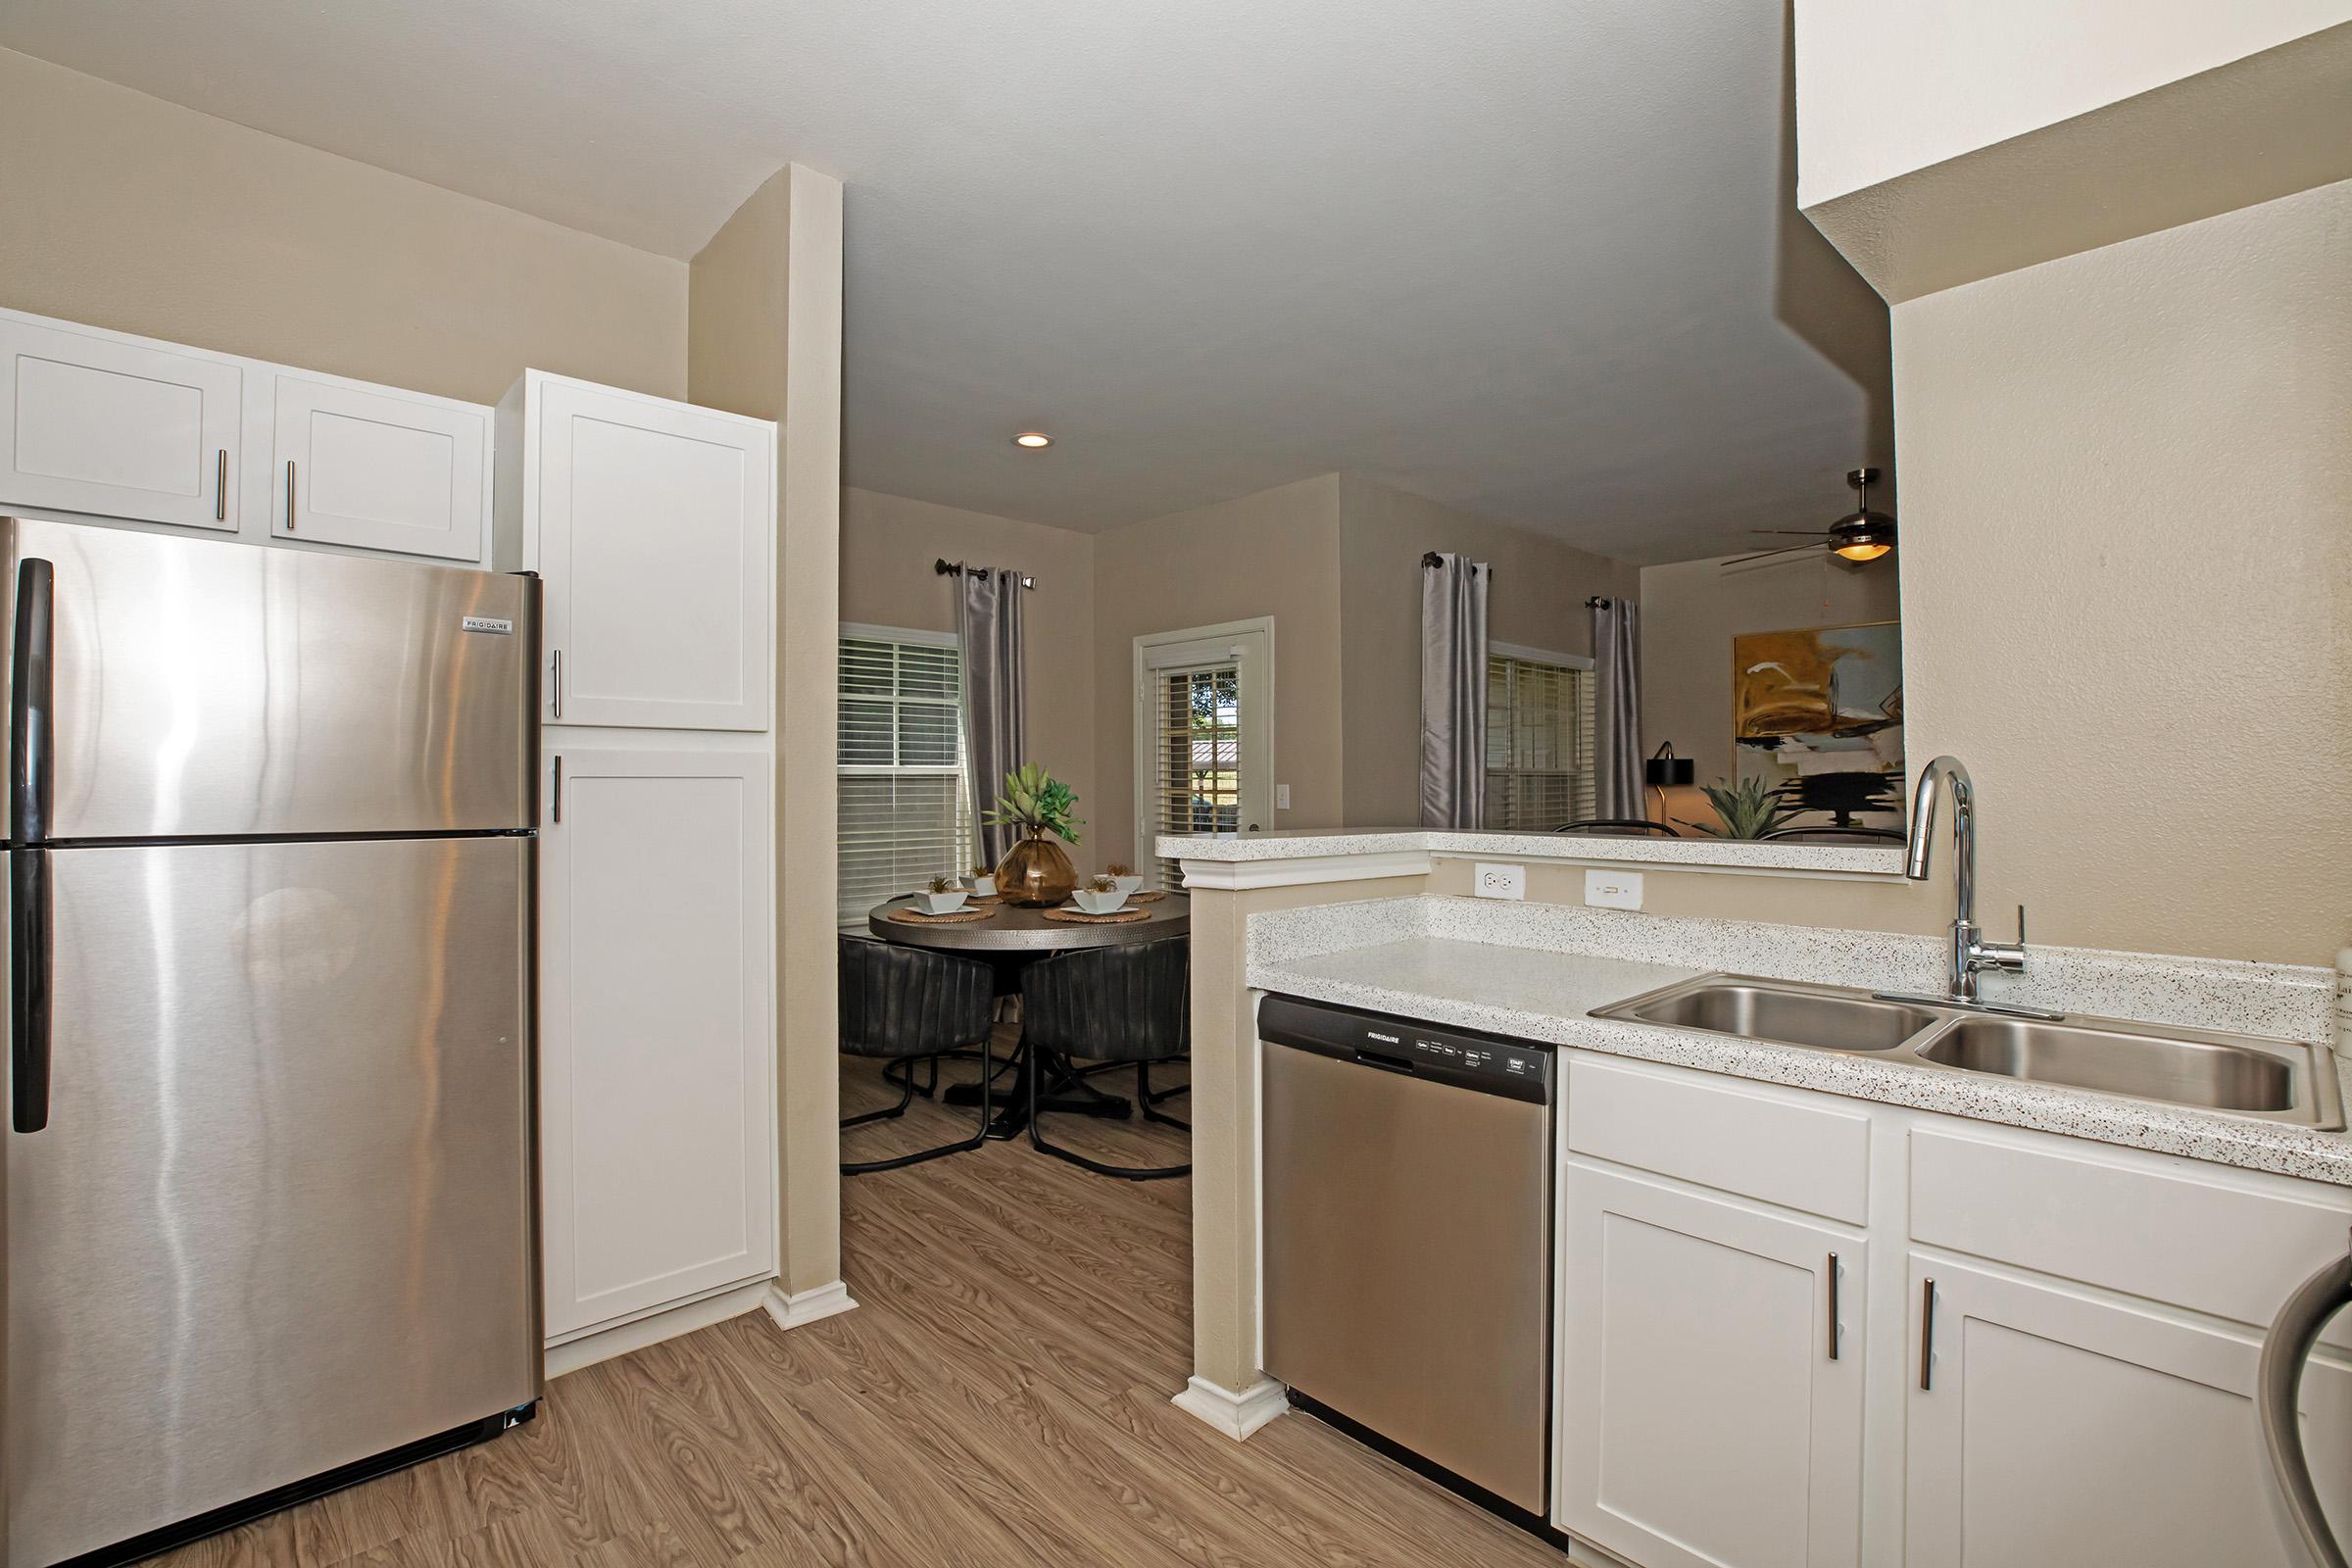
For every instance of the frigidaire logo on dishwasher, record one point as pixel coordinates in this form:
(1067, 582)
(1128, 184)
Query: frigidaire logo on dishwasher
(489, 624)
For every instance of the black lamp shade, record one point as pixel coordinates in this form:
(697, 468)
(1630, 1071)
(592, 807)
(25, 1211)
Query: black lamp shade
(1665, 772)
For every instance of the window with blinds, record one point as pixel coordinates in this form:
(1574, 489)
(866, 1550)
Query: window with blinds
(905, 809)
(1538, 744)
(1200, 755)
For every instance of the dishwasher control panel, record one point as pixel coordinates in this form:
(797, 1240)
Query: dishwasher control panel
(1487, 1063)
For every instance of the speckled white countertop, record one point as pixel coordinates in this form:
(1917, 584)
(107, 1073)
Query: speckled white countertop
(1865, 858)
(1536, 972)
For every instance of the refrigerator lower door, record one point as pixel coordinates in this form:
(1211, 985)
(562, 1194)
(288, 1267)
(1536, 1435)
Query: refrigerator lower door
(280, 1219)
(204, 688)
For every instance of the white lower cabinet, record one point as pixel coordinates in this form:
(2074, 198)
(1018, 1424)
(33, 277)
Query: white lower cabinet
(2061, 1347)
(657, 1095)
(2058, 1427)
(1706, 1418)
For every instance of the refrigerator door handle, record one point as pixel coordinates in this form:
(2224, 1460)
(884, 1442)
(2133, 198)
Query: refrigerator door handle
(28, 933)
(32, 695)
(32, 771)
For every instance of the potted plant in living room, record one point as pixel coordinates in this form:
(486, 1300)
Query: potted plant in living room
(1033, 872)
(1749, 809)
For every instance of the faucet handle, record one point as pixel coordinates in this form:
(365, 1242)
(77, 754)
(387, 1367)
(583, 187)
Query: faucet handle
(2020, 925)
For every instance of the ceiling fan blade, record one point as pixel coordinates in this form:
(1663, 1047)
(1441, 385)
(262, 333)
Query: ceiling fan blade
(1800, 533)
(1767, 555)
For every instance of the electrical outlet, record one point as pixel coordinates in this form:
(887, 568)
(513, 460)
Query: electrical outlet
(1282, 797)
(1499, 881)
(1613, 889)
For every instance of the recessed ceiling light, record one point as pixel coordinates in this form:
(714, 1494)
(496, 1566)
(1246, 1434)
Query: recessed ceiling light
(1033, 438)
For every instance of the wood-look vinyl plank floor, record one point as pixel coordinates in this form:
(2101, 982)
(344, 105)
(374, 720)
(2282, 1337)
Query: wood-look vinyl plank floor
(999, 1397)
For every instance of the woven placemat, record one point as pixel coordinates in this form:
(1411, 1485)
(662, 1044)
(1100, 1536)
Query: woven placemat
(1153, 897)
(1081, 917)
(986, 898)
(959, 917)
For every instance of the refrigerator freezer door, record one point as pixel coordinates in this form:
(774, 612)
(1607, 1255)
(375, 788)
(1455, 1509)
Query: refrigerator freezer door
(281, 1219)
(206, 688)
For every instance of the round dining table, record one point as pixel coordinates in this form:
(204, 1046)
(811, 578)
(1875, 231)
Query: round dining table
(1009, 940)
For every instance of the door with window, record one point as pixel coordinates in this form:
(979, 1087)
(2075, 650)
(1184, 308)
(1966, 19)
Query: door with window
(1203, 735)
(905, 807)
(1538, 739)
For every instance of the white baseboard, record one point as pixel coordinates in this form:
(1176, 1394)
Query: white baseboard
(1236, 1415)
(807, 1306)
(655, 1327)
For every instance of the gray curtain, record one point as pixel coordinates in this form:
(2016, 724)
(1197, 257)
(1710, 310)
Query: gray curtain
(1617, 710)
(996, 691)
(1453, 692)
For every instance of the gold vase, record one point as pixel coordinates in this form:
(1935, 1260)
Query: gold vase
(1035, 873)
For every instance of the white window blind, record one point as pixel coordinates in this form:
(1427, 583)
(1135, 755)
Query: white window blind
(905, 809)
(1198, 751)
(1538, 744)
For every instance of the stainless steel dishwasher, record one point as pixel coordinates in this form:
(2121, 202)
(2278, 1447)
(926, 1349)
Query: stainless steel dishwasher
(1408, 1238)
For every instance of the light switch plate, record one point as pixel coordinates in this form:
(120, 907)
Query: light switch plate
(1613, 889)
(1499, 881)
(1282, 797)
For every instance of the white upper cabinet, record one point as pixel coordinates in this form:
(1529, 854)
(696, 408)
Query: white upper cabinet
(360, 465)
(1711, 1379)
(119, 428)
(654, 524)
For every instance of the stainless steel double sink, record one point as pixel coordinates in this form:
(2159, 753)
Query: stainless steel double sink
(2237, 1075)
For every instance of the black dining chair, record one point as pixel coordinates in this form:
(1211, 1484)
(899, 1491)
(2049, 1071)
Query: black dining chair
(1618, 824)
(905, 1004)
(1127, 1003)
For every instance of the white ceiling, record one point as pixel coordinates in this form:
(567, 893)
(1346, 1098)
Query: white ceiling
(1517, 255)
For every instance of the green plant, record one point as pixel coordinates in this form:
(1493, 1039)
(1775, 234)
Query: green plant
(1105, 884)
(1119, 868)
(1749, 809)
(1037, 800)
(940, 884)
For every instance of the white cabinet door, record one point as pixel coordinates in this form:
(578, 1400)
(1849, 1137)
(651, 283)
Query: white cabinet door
(1703, 1419)
(656, 1040)
(655, 522)
(117, 428)
(378, 469)
(2057, 1426)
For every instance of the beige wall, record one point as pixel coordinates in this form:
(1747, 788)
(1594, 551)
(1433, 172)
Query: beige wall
(766, 342)
(888, 546)
(126, 212)
(1275, 553)
(1536, 600)
(1691, 609)
(2127, 586)
(2127, 579)
(1995, 69)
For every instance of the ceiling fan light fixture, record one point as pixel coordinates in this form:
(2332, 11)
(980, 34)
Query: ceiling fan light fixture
(1863, 549)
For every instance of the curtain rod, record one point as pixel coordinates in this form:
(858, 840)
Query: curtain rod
(956, 568)
(1430, 557)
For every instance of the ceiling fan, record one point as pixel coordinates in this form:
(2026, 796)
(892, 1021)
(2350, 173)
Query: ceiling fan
(1860, 535)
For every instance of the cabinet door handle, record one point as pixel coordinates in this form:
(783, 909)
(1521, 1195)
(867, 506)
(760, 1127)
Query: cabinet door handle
(289, 495)
(558, 786)
(556, 682)
(1833, 1306)
(1926, 1333)
(221, 486)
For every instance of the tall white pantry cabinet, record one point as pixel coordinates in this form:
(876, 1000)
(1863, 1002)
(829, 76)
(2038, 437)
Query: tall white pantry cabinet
(653, 524)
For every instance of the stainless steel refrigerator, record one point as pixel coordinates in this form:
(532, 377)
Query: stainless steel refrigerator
(270, 1171)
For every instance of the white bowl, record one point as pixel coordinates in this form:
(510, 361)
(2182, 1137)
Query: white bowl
(984, 886)
(940, 902)
(1094, 903)
(1129, 885)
